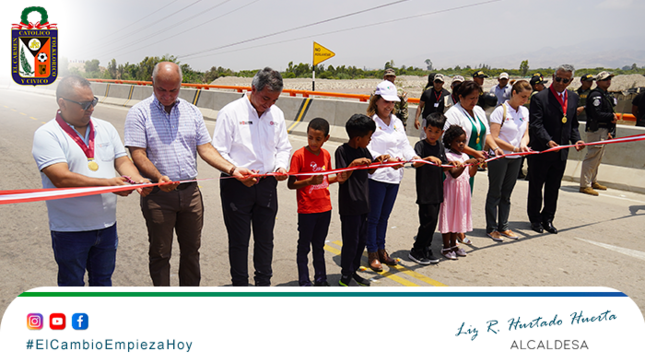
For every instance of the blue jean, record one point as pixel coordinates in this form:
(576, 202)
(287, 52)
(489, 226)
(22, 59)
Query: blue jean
(382, 197)
(92, 250)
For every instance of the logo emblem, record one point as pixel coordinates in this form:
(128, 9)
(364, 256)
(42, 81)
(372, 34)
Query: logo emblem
(57, 321)
(34, 50)
(34, 321)
(80, 321)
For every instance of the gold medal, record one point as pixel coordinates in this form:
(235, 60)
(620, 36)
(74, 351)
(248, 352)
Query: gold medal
(564, 119)
(477, 141)
(92, 165)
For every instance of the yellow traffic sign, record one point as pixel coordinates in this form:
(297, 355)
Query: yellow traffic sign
(321, 53)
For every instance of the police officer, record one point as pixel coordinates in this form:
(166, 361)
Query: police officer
(401, 107)
(479, 77)
(601, 125)
(584, 90)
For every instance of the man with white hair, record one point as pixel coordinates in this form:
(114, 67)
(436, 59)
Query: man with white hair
(552, 122)
(164, 134)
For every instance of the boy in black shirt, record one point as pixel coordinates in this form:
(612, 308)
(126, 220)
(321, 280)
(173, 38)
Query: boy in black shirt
(353, 196)
(429, 180)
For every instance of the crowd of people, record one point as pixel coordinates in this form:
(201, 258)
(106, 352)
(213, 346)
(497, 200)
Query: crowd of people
(164, 134)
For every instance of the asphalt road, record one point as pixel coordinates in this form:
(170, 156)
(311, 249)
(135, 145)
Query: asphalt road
(600, 241)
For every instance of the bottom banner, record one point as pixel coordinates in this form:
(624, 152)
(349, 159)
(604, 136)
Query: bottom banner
(321, 325)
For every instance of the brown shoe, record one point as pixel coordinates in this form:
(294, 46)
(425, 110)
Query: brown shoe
(385, 258)
(509, 234)
(595, 185)
(588, 190)
(374, 262)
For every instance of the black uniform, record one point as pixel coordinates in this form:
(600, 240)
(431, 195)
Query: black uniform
(600, 111)
(639, 102)
(582, 102)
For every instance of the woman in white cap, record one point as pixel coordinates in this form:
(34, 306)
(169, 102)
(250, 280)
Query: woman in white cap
(472, 118)
(388, 139)
(509, 127)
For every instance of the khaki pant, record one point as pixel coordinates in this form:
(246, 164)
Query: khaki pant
(589, 172)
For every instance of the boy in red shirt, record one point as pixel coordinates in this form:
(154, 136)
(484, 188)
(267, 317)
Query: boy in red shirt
(314, 203)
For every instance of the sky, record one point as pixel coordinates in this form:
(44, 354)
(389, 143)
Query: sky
(251, 34)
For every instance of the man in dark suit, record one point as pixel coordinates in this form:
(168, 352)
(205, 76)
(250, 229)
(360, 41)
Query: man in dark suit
(552, 122)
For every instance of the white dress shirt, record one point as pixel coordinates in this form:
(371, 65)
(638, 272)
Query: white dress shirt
(391, 140)
(457, 116)
(250, 141)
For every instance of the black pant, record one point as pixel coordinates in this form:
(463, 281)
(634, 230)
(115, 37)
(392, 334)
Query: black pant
(428, 217)
(312, 230)
(354, 232)
(244, 207)
(546, 171)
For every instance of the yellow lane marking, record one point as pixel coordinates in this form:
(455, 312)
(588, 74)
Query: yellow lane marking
(33, 118)
(24, 114)
(390, 275)
(409, 272)
(6, 106)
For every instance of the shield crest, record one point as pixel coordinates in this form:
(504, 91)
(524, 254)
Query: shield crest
(34, 50)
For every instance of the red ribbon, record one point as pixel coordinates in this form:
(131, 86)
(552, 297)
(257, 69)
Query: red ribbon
(15, 196)
(562, 103)
(31, 25)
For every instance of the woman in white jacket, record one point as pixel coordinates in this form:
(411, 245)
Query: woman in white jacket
(388, 139)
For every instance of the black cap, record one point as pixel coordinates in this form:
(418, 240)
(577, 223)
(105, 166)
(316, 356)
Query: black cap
(587, 77)
(479, 74)
(537, 80)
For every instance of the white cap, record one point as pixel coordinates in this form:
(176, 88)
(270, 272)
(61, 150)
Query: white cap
(503, 75)
(458, 78)
(438, 77)
(387, 90)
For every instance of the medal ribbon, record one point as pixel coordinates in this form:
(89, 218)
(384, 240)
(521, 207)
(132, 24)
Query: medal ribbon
(31, 25)
(562, 103)
(87, 149)
(476, 126)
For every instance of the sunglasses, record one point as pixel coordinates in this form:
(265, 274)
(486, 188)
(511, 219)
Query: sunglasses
(562, 80)
(85, 105)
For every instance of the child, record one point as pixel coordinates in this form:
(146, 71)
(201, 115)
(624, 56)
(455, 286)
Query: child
(353, 196)
(314, 203)
(455, 213)
(429, 180)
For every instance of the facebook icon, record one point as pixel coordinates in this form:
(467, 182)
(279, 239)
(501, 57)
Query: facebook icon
(80, 321)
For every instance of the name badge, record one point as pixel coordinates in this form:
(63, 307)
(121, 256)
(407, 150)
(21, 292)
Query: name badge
(436, 104)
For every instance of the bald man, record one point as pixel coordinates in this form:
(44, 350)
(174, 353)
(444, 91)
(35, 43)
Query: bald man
(164, 134)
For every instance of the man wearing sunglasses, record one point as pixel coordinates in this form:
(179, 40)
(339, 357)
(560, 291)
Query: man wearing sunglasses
(76, 150)
(552, 122)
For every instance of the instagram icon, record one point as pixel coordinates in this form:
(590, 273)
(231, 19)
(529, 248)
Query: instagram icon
(34, 321)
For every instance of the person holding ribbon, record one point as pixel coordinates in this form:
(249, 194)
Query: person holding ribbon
(75, 150)
(509, 128)
(552, 122)
(164, 134)
(472, 118)
(388, 139)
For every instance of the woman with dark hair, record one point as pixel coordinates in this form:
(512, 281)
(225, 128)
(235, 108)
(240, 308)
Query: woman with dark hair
(388, 139)
(472, 119)
(509, 127)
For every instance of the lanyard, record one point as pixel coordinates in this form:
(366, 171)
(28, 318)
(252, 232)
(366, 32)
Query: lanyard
(88, 149)
(476, 125)
(562, 103)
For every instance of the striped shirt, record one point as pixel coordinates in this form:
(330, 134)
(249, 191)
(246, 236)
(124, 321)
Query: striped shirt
(170, 139)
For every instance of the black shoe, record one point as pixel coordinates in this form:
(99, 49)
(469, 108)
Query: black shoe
(344, 280)
(521, 176)
(537, 227)
(361, 281)
(321, 283)
(418, 257)
(549, 227)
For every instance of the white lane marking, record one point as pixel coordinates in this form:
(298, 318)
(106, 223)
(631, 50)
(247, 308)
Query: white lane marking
(623, 198)
(626, 251)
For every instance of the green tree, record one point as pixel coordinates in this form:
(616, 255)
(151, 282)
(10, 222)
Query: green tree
(428, 64)
(92, 66)
(112, 68)
(524, 67)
